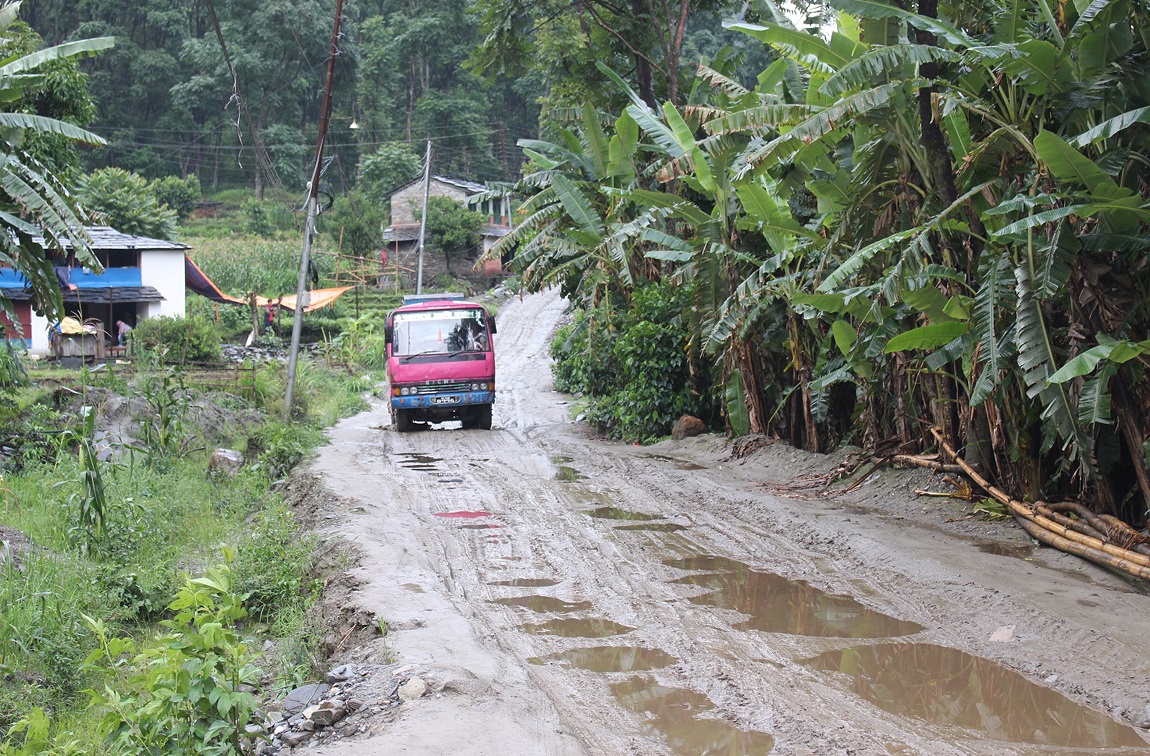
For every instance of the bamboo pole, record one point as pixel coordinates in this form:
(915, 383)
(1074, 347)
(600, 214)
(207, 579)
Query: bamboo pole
(1035, 520)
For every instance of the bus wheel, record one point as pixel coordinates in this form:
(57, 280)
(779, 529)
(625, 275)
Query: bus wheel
(483, 417)
(402, 421)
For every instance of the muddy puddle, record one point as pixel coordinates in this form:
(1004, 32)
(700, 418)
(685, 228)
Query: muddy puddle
(544, 604)
(605, 659)
(617, 513)
(672, 717)
(575, 627)
(480, 526)
(946, 686)
(663, 527)
(707, 562)
(526, 582)
(567, 474)
(680, 464)
(1017, 550)
(778, 605)
(418, 462)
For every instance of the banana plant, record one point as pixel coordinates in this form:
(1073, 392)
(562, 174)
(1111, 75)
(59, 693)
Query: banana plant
(38, 216)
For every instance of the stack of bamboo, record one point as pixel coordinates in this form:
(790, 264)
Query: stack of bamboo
(1102, 539)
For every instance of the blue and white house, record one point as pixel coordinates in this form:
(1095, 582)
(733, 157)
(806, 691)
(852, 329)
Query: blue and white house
(142, 278)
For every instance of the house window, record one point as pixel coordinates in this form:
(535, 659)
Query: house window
(119, 258)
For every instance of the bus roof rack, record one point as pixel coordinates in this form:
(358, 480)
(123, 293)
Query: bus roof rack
(420, 298)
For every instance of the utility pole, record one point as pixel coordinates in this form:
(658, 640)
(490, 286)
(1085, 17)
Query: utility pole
(423, 220)
(301, 298)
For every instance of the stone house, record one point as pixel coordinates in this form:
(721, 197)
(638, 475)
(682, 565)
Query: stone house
(401, 238)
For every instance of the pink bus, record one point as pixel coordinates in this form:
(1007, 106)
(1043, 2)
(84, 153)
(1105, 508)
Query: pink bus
(440, 362)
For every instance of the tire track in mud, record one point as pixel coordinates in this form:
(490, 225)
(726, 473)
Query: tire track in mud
(538, 476)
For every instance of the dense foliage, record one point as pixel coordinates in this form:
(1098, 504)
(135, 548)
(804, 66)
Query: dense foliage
(38, 215)
(178, 340)
(634, 365)
(125, 202)
(885, 236)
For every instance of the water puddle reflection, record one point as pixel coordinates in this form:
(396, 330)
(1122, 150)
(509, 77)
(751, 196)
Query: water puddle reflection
(526, 582)
(615, 513)
(666, 527)
(611, 658)
(569, 474)
(672, 712)
(946, 686)
(574, 627)
(543, 604)
(462, 514)
(707, 562)
(1018, 550)
(778, 605)
(480, 526)
(418, 462)
(680, 464)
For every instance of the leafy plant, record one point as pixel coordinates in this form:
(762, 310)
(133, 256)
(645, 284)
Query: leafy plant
(389, 167)
(180, 194)
(271, 563)
(279, 447)
(190, 688)
(91, 504)
(124, 201)
(164, 434)
(357, 221)
(451, 227)
(257, 217)
(178, 340)
(32, 734)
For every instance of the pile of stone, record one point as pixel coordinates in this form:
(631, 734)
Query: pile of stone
(342, 706)
(240, 353)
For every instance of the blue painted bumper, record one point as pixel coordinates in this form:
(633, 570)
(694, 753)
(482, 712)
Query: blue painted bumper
(443, 401)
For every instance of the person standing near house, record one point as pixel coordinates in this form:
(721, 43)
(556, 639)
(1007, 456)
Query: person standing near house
(122, 331)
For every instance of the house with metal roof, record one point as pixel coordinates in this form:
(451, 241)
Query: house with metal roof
(142, 278)
(401, 238)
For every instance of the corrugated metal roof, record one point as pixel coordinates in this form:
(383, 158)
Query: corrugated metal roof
(96, 296)
(108, 238)
(470, 187)
(406, 232)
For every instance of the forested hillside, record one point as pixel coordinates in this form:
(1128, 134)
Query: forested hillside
(407, 72)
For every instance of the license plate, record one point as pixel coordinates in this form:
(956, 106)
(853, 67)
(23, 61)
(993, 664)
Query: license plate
(445, 400)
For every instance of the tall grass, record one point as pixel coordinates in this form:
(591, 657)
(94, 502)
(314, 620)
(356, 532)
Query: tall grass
(269, 267)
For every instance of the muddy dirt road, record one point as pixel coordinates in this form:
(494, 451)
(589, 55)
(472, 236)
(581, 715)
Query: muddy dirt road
(567, 595)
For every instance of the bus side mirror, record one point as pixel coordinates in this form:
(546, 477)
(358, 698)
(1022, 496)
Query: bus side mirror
(491, 323)
(388, 334)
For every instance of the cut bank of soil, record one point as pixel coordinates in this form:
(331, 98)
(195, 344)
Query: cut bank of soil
(565, 595)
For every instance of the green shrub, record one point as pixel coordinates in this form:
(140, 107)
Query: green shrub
(633, 364)
(179, 194)
(265, 218)
(271, 563)
(257, 218)
(190, 689)
(357, 222)
(584, 356)
(281, 446)
(126, 203)
(178, 340)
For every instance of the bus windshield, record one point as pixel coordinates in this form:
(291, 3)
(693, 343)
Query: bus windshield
(439, 332)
